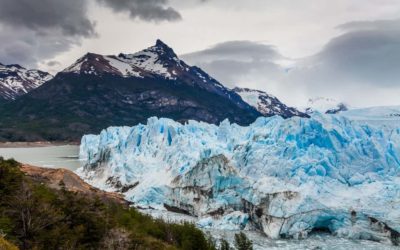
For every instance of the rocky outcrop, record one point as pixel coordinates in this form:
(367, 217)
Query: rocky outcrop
(63, 178)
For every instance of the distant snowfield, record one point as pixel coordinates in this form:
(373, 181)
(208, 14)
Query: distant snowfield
(385, 115)
(282, 177)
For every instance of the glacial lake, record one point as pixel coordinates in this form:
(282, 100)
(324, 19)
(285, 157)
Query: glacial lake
(66, 156)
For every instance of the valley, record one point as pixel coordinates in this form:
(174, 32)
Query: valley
(171, 141)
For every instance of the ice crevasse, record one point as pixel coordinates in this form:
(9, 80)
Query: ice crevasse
(284, 177)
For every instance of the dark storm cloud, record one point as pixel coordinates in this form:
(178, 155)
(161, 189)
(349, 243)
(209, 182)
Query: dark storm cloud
(148, 10)
(27, 47)
(67, 16)
(33, 31)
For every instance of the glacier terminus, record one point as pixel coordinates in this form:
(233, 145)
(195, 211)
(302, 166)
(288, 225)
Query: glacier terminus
(286, 178)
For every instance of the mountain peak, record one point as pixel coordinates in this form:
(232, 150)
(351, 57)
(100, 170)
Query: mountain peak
(162, 49)
(160, 43)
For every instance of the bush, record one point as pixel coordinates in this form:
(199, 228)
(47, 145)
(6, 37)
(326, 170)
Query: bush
(242, 242)
(224, 245)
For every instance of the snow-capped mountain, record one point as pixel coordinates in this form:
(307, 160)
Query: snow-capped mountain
(154, 62)
(98, 91)
(16, 80)
(325, 105)
(267, 104)
(284, 177)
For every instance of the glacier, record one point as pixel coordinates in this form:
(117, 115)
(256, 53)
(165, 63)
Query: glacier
(287, 178)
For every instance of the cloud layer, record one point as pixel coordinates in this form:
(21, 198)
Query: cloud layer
(32, 32)
(363, 59)
(239, 62)
(148, 10)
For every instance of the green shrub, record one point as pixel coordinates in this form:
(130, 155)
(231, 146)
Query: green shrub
(34, 216)
(242, 242)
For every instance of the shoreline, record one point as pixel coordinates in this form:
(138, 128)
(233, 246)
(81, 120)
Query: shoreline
(35, 144)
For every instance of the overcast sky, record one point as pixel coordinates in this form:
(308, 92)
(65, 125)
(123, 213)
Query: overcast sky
(343, 49)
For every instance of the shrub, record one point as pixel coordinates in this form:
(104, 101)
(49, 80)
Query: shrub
(242, 242)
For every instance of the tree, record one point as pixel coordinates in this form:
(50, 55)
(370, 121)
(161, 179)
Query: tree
(242, 242)
(224, 245)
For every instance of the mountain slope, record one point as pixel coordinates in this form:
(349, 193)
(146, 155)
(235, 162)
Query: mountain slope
(16, 80)
(267, 104)
(100, 91)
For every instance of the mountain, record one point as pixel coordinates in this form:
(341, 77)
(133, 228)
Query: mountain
(284, 177)
(325, 105)
(267, 104)
(16, 80)
(98, 91)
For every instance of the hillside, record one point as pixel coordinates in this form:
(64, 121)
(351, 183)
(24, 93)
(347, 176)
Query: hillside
(37, 215)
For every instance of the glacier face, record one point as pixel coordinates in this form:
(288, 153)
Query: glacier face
(285, 177)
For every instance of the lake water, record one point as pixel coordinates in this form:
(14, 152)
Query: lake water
(66, 156)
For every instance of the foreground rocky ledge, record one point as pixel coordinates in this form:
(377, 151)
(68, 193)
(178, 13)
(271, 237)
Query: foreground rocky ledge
(59, 178)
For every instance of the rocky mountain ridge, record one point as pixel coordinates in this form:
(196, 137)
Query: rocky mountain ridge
(16, 80)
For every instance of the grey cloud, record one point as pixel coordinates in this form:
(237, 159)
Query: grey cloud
(68, 16)
(239, 62)
(148, 10)
(352, 67)
(53, 63)
(35, 31)
(370, 25)
(27, 47)
(355, 66)
(367, 55)
(236, 50)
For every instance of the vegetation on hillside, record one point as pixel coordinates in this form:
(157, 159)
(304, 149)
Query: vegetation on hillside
(70, 106)
(33, 216)
(5, 245)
